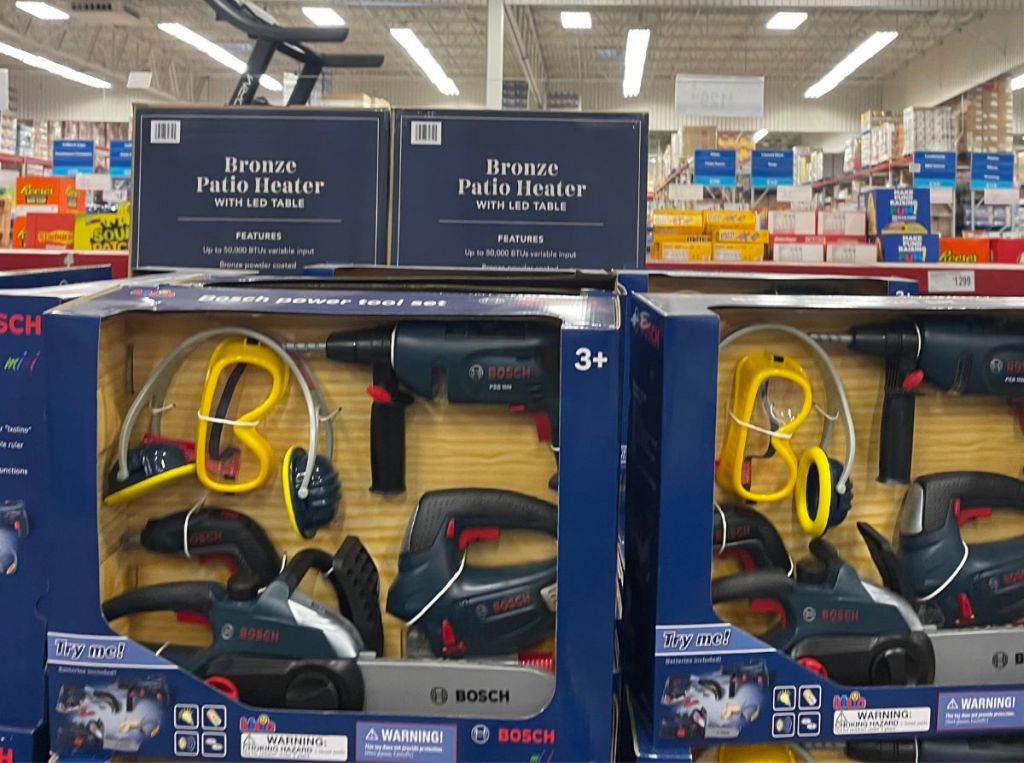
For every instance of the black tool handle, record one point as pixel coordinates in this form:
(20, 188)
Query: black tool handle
(196, 596)
(896, 448)
(975, 749)
(387, 433)
(478, 507)
(750, 535)
(357, 585)
(990, 489)
(215, 532)
(304, 561)
(890, 569)
(759, 584)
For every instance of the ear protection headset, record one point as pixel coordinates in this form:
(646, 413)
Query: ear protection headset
(822, 492)
(312, 489)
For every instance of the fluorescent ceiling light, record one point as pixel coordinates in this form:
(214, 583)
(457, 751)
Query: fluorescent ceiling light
(425, 60)
(786, 21)
(760, 135)
(323, 16)
(215, 51)
(52, 67)
(576, 20)
(1017, 82)
(43, 11)
(860, 55)
(636, 56)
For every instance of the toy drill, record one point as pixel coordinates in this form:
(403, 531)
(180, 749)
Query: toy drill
(970, 356)
(508, 363)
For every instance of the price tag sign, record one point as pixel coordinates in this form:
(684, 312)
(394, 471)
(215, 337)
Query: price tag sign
(771, 169)
(1002, 196)
(934, 169)
(685, 192)
(796, 194)
(714, 167)
(951, 281)
(70, 157)
(708, 95)
(120, 158)
(991, 171)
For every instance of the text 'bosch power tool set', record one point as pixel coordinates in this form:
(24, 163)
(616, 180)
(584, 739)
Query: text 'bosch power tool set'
(302, 524)
(840, 499)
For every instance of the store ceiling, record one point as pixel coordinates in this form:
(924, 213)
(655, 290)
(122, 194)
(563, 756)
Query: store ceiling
(687, 36)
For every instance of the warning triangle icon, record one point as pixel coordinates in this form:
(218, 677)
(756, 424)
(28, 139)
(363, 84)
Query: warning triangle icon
(371, 735)
(952, 705)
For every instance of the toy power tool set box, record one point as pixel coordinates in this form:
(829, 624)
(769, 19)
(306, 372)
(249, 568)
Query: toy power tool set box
(311, 524)
(824, 535)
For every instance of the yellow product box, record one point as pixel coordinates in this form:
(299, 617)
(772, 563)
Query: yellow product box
(103, 230)
(661, 240)
(739, 219)
(738, 252)
(678, 220)
(732, 235)
(681, 251)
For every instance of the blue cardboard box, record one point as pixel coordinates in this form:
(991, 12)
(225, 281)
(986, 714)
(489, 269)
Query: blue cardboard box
(909, 247)
(898, 210)
(116, 340)
(506, 189)
(700, 675)
(258, 188)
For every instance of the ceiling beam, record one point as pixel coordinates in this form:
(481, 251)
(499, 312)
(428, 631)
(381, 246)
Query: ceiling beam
(523, 34)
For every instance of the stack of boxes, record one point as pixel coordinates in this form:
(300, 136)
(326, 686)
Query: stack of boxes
(45, 209)
(808, 165)
(899, 221)
(986, 117)
(874, 131)
(825, 235)
(928, 129)
(723, 235)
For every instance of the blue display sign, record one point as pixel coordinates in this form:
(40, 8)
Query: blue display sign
(714, 167)
(271, 190)
(771, 169)
(934, 169)
(120, 158)
(991, 171)
(72, 157)
(519, 189)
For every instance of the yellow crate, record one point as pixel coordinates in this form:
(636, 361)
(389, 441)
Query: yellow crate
(678, 220)
(681, 251)
(739, 219)
(738, 252)
(732, 235)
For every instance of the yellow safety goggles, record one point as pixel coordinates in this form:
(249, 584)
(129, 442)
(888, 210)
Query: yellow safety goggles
(760, 426)
(236, 356)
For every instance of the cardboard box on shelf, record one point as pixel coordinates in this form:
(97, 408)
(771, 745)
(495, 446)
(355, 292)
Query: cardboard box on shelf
(698, 137)
(662, 242)
(850, 253)
(841, 222)
(740, 219)
(5, 221)
(728, 235)
(799, 252)
(49, 231)
(791, 221)
(678, 221)
(909, 247)
(104, 230)
(685, 251)
(898, 210)
(1007, 250)
(56, 195)
(738, 252)
(966, 250)
(18, 232)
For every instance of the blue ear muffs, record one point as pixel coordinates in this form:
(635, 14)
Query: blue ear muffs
(150, 465)
(320, 505)
(818, 501)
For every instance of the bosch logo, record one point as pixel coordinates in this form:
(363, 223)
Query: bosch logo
(1012, 578)
(809, 614)
(835, 615)
(20, 324)
(480, 734)
(1014, 366)
(504, 373)
(6, 755)
(439, 695)
(227, 631)
(995, 365)
(261, 635)
(518, 601)
(484, 696)
(515, 735)
(642, 325)
(204, 538)
(1000, 660)
(476, 372)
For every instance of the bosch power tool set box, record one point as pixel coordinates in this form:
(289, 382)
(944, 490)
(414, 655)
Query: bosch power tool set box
(309, 524)
(836, 482)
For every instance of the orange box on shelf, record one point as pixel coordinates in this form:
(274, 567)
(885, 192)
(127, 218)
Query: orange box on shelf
(1008, 250)
(966, 250)
(56, 195)
(48, 231)
(18, 232)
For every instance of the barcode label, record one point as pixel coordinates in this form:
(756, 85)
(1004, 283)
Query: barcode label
(165, 131)
(426, 133)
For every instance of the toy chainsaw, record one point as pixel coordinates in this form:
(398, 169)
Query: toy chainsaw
(277, 648)
(13, 526)
(463, 610)
(854, 632)
(745, 533)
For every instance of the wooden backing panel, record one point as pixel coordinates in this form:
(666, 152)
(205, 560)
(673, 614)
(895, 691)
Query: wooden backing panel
(447, 447)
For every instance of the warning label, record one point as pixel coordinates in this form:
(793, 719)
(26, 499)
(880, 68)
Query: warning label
(882, 720)
(980, 710)
(294, 746)
(405, 742)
